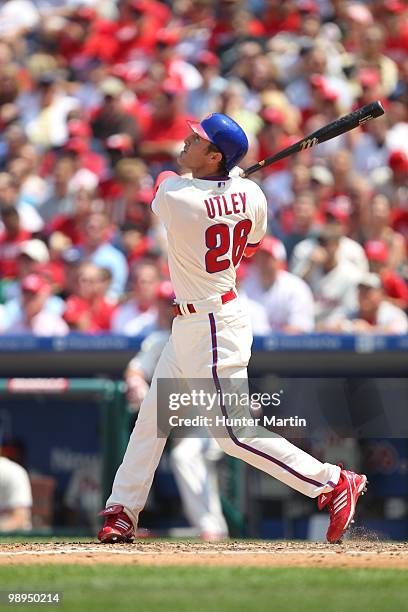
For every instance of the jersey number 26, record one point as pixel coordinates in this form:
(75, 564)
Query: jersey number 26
(218, 240)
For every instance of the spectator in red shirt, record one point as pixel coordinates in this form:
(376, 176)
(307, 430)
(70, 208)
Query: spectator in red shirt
(72, 226)
(88, 310)
(280, 16)
(232, 21)
(130, 185)
(395, 20)
(11, 238)
(102, 43)
(379, 228)
(272, 138)
(78, 145)
(73, 36)
(137, 27)
(395, 288)
(395, 186)
(165, 137)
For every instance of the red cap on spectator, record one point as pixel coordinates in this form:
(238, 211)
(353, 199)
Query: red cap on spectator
(308, 6)
(77, 128)
(206, 58)
(273, 115)
(173, 85)
(398, 161)
(34, 283)
(273, 247)
(165, 291)
(376, 250)
(86, 13)
(394, 6)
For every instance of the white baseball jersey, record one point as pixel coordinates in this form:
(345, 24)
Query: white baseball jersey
(209, 224)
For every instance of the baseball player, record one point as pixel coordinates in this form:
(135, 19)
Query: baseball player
(212, 220)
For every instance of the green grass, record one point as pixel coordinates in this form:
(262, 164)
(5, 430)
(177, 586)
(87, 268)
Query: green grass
(212, 589)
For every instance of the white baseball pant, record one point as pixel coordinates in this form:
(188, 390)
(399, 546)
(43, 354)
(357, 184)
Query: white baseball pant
(216, 345)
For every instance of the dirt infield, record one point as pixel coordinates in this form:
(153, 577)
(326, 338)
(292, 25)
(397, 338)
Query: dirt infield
(351, 553)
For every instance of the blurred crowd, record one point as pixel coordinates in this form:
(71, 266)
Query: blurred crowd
(94, 98)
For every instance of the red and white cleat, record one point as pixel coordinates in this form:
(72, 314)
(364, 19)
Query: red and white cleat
(341, 503)
(117, 528)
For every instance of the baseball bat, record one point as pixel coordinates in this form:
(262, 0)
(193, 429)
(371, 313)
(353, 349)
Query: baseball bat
(327, 132)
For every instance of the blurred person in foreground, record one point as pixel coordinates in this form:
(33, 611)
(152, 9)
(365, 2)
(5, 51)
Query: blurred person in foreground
(374, 314)
(139, 314)
(15, 489)
(34, 317)
(287, 299)
(192, 457)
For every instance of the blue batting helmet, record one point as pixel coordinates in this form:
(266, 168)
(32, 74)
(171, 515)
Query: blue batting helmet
(224, 133)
